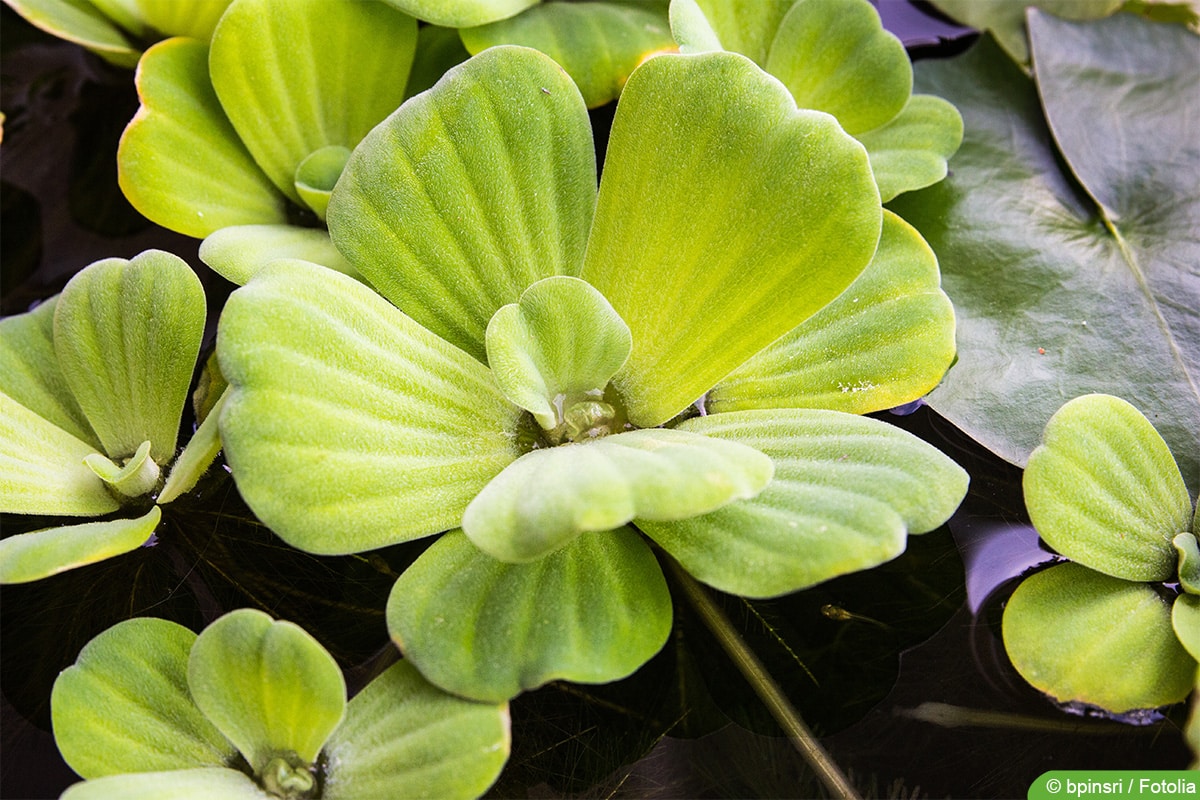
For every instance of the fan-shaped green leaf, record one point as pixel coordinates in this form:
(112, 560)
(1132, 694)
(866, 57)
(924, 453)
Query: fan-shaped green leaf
(911, 150)
(1185, 619)
(127, 334)
(741, 26)
(462, 13)
(215, 783)
(592, 612)
(559, 343)
(404, 737)
(885, 341)
(349, 426)
(195, 18)
(1085, 637)
(548, 497)
(29, 371)
(218, 184)
(726, 217)
(239, 251)
(80, 22)
(42, 469)
(32, 556)
(1103, 490)
(267, 685)
(124, 705)
(471, 192)
(598, 43)
(846, 491)
(354, 74)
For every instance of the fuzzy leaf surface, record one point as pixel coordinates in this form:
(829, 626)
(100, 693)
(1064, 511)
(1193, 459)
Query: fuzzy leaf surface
(237, 253)
(913, 149)
(461, 13)
(32, 556)
(212, 783)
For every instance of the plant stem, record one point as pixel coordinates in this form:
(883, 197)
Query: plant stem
(764, 685)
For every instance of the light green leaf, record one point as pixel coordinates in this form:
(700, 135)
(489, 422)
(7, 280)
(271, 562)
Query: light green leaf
(127, 334)
(741, 26)
(218, 184)
(438, 49)
(559, 343)
(461, 13)
(404, 737)
(835, 56)
(80, 22)
(471, 192)
(1033, 267)
(29, 371)
(139, 475)
(124, 705)
(1185, 620)
(42, 469)
(239, 251)
(885, 341)
(726, 217)
(912, 150)
(214, 783)
(1081, 636)
(1103, 490)
(598, 43)
(267, 685)
(348, 426)
(1189, 562)
(1006, 18)
(547, 497)
(317, 174)
(125, 13)
(846, 491)
(592, 612)
(197, 456)
(354, 75)
(195, 18)
(28, 557)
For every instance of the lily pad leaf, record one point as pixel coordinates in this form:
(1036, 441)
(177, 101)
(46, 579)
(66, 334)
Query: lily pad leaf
(1035, 269)
(846, 492)
(1081, 636)
(741, 26)
(471, 192)
(1103, 490)
(1005, 19)
(127, 334)
(912, 150)
(591, 612)
(366, 51)
(598, 43)
(237, 252)
(32, 556)
(548, 497)
(559, 342)
(218, 184)
(462, 13)
(1185, 619)
(212, 783)
(718, 225)
(29, 371)
(42, 469)
(885, 341)
(404, 737)
(124, 705)
(1189, 562)
(348, 426)
(80, 22)
(267, 685)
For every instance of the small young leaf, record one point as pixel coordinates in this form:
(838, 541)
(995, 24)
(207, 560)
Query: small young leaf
(268, 686)
(32, 556)
(124, 705)
(237, 253)
(318, 173)
(1185, 619)
(214, 783)
(136, 478)
(1189, 562)
(1103, 490)
(404, 737)
(1081, 636)
(592, 612)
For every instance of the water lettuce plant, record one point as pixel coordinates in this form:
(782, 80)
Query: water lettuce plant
(1108, 628)
(543, 364)
(256, 708)
(92, 387)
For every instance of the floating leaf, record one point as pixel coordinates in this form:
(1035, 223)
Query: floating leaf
(127, 334)
(1103, 490)
(1035, 269)
(267, 685)
(846, 491)
(461, 13)
(559, 342)
(236, 253)
(32, 556)
(911, 151)
(218, 184)
(1005, 19)
(598, 43)
(124, 705)
(548, 497)
(404, 737)
(215, 783)
(726, 217)
(471, 192)
(1081, 636)
(885, 341)
(1185, 619)
(349, 426)
(592, 612)
(80, 22)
